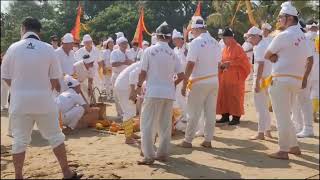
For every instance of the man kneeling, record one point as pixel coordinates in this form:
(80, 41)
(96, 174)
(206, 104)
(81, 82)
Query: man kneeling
(74, 111)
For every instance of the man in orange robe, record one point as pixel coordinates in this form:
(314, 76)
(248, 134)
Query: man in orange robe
(233, 71)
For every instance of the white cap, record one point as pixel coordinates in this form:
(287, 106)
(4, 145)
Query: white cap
(107, 41)
(121, 40)
(86, 38)
(88, 60)
(145, 43)
(176, 34)
(70, 81)
(197, 22)
(154, 39)
(190, 36)
(266, 26)
(159, 28)
(254, 31)
(287, 8)
(220, 31)
(67, 38)
(119, 34)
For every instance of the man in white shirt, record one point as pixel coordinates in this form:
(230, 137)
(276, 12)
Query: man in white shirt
(119, 61)
(54, 41)
(75, 112)
(107, 71)
(248, 48)
(31, 70)
(84, 73)
(262, 69)
(4, 92)
(65, 56)
(125, 90)
(290, 53)
(201, 76)
(134, 51)
(158, 67)
(94, 54)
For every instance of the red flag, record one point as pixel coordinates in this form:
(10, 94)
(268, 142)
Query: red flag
(77, 26)
(138, 36)
(198, 10)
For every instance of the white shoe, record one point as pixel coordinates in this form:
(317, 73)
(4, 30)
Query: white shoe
(304, 134)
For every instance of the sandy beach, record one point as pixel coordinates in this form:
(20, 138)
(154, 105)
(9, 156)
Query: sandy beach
(99, 155)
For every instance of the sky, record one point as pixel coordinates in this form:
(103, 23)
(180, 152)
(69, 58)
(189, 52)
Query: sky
(4, 5)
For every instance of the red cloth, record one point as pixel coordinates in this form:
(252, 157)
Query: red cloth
(232, 80)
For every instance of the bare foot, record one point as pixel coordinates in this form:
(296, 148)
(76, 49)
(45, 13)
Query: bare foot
(206, 144)
(141, 154)
(279, 155)
(134, 136)
(130, 141)
(185, 144)
(162, 158)
(145, 162)
(259, 136)
(268, 134)
(295, 150)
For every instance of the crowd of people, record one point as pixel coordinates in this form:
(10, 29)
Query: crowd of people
(198, 79)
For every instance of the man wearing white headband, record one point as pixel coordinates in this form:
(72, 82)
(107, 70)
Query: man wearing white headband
(266, 30)
(262, 69)
(75, 112)
(65, 55)
(292, 62)
(84, 73)
(158, 67)
(119, 61)
(201, 79)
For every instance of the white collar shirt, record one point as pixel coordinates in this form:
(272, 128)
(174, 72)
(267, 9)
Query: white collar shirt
(161, 64)
(205, 52)
(30, 64)
(66, 61)
(293, 50)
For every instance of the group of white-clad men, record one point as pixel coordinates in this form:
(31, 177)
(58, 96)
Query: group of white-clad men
(283, 65)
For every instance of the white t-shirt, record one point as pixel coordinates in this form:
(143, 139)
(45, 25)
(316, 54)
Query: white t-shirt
(132, 54)
(292, 49)
(129, 75)
(205, 52)
(259, 52)
(182, 55)
(246, 46)
(69, 99)
(105, 57)
(118, 56)
(161, 64)
(66, 61)
(82, 72)
(30, 64)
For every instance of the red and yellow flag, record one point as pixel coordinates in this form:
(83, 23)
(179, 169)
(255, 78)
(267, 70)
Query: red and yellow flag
(77, 26)
(198, 10)
(138, 35)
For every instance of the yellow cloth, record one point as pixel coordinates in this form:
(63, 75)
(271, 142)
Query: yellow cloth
(128, 127)
(315, 105)
(75, 76)
(266, 82)
(192, 81)
(101, 73)
(60, 120)
(317, 42)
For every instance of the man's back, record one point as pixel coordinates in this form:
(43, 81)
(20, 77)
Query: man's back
(30, 64)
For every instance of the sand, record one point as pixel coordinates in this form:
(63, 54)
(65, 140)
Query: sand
(106, 156)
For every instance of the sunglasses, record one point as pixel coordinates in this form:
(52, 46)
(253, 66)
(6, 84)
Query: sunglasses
(54, 39)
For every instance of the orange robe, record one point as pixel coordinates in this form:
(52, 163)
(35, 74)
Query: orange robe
(232, 80)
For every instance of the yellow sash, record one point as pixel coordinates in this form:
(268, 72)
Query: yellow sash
(266, 82)
(109, 72)
(192, 81)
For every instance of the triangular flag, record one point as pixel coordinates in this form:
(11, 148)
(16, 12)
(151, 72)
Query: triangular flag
(77, 26)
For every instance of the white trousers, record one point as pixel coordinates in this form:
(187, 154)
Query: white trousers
(314, 89)
(282, 97)
(22, 125)
(261, 102)
(127, 106)
(72, 117)
(116, 98)
(202, 97)
(4, 94)
(302, 114)
(156, 118)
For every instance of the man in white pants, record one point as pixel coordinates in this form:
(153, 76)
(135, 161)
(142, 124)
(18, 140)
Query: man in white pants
(202, 75)
(158, 67)
(125, 90)
(289, 52)
(31, 70)
(262, 69)
(119, 61)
